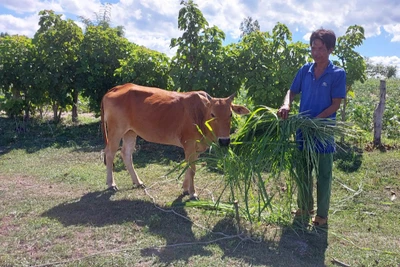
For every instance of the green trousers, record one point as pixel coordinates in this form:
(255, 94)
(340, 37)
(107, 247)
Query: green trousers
(322, 167)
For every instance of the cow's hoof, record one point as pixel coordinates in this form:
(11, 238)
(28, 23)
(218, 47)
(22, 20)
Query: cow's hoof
(185, 193)
(140, 186)
(113, 188)
(194, 198)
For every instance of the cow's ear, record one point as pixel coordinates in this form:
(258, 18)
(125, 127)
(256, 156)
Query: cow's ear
(241, 110)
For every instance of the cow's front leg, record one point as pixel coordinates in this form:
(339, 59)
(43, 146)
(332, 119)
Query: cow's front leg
(191, 158)
(188, 183)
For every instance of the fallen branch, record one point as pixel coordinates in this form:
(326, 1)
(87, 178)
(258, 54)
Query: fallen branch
(335, 261)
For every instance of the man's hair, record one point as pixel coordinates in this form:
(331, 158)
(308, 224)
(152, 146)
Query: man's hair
(327, 37)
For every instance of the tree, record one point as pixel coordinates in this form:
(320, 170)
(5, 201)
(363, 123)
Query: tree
(379, 70)
(145, 67)
(57, 42)
(197, 63)
(391, 72)
(16, 74)
(103, 19)
(99, 57)
(102, 48)
(248, 26)
(350, 60)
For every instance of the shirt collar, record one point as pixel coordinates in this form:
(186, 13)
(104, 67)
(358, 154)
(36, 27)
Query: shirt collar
(329, 68)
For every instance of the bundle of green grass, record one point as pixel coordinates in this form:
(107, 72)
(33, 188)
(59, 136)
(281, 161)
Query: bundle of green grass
(259, 168)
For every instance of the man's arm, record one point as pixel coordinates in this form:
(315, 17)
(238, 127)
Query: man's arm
(284, 110)
(331, 109)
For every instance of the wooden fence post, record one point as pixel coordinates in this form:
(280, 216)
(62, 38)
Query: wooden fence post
(378, 114)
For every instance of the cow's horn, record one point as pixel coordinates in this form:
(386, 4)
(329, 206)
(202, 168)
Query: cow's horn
(232, 96)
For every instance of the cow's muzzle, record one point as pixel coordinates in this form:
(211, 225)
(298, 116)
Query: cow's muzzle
(224, 141)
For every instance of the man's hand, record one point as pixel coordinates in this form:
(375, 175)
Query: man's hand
(283, 112)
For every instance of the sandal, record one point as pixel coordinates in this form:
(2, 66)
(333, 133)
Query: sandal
(320, 221)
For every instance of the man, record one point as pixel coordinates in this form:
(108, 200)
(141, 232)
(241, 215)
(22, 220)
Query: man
(322, 86)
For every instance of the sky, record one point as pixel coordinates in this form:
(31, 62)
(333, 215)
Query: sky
(152, 23)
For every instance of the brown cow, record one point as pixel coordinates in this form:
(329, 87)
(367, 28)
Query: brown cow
(163, 117)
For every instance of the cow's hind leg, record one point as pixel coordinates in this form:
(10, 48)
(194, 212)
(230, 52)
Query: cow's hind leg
(109, 154)
(128, 147)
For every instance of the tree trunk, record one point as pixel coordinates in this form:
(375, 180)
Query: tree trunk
(75, 105)
(378, 114)
(27, 115)
(55, 111)
(41, 111)
(59, 114)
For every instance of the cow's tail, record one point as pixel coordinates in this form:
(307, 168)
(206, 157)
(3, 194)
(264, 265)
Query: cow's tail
(103, 128)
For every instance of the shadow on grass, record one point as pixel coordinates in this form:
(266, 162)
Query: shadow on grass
(37, 134)
(147, 152)
(348, 158)
(96, 209)
(304, 246)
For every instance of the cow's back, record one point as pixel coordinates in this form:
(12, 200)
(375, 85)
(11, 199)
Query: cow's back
(154, 114)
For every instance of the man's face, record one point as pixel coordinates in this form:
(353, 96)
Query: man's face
(319, 52)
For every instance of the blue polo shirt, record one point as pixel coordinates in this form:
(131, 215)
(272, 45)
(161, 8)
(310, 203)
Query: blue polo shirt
(317, 95)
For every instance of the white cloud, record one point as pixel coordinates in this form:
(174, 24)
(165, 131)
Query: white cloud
(395, 30)
(24, 6)
(226, 15)
(85, 8)
(23, 26)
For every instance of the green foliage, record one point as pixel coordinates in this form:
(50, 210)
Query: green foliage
(13, 107)
(361, 107)
(16, 73)
(200, 61)
(268, 63)
(145, 67)
(100, 55)
(350, 60)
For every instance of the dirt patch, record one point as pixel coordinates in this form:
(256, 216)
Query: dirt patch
(7, 225)
(16, 186)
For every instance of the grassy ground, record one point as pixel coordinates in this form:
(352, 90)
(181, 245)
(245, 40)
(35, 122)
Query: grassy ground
(54, 210)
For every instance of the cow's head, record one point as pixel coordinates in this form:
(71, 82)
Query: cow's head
(220, 115)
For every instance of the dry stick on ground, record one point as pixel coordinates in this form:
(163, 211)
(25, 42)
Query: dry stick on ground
(238, 230)
(335, 261)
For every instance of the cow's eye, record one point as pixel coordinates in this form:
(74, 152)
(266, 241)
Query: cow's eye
(212, 115)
